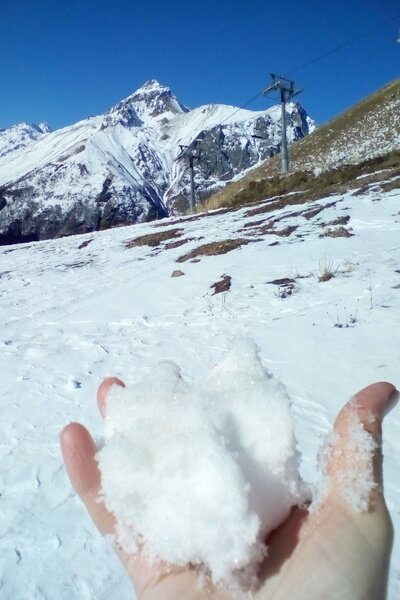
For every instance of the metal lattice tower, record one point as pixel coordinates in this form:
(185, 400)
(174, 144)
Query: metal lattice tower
(287, 91)
(190, 152)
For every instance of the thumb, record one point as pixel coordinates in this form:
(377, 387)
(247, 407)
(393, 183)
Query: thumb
(355, 454)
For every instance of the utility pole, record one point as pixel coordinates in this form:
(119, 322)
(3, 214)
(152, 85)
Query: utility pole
(190, 152)
(286, 88)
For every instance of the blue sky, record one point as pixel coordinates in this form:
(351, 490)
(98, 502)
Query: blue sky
(61, 61)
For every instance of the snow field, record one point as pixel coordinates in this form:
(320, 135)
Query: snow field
(71, 316)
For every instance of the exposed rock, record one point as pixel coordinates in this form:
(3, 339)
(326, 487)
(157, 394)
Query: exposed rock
(177, 273)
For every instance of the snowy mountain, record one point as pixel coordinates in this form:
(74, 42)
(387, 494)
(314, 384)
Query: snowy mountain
(77, 309)
(20, 136)
(123, 167)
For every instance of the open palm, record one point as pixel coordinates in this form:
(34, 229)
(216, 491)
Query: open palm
(333, 553)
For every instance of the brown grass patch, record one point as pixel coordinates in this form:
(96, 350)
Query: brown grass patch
(334, 233)
(224, 285)
(268, 228)
(261, 227)
(214, 248)
(84, 244)
(257, 223)
(275, 205)
(339, 221)
(286, 231)
(391, 185)
(178, 243)
(283, 281)
(154, 239)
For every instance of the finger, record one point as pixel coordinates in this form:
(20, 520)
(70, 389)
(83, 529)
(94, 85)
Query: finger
(103, 390)
(79, 451)
(376, 400)
(355, 456)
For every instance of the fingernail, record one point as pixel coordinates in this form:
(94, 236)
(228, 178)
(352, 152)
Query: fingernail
(393, 400)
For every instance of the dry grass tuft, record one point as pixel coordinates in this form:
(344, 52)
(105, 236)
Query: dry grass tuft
(326, 270)
(325, 276)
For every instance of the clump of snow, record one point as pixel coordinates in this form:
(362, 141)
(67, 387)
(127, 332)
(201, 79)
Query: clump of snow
(200, 473)
(354, 481)
(357, 481)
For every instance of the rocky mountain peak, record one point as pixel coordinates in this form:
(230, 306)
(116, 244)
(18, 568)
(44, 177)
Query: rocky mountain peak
(152, 86)
(151, 101)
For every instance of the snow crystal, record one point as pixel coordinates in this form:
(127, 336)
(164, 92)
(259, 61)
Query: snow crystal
(200, 473)
(354, 481)
(357, 481)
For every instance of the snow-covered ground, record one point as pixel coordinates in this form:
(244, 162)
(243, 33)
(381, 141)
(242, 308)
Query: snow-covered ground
(72, 313)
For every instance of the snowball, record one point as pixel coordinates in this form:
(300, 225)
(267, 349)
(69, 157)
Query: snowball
(201, 473)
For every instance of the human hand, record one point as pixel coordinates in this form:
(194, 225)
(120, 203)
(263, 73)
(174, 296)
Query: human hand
(333, 553)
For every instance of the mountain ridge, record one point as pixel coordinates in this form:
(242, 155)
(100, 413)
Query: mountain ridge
(122, 167)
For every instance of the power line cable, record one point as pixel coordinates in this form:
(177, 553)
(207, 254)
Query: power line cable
(241, 107)
(344, 45)
(317, 58)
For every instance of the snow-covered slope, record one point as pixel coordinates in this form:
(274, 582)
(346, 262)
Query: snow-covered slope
(20, 136)
(123, 167)
(78, 309)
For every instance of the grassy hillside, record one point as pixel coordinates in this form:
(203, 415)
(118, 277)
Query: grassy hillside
(367, 135)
